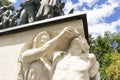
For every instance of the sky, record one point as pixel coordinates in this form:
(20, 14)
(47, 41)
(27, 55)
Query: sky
(102, 15)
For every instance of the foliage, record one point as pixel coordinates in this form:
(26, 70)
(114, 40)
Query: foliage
(116, 38)
(5, 2)
(105, 64)
(103, 48)
(113, 71)
(100, 46)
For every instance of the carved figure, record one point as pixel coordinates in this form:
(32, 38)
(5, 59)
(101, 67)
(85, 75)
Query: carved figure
(30, 11)
(8, 18)
(12, 17)
(31, 64)
(27, 14)
(18, 11)
(36, 68)
(78, 64)
(57, 6)
(45, 11)
(36, 5)
(2, 10)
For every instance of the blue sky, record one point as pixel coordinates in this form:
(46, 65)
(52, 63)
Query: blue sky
(102, 15)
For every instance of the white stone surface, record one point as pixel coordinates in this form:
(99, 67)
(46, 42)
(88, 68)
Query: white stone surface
(8, 59)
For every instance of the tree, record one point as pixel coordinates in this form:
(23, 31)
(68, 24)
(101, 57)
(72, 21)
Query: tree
(1, 4)
(101, 47)
(116, 41)
(5, 2)
(113, 71)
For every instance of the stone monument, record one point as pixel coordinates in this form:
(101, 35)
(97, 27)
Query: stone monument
(50, 47)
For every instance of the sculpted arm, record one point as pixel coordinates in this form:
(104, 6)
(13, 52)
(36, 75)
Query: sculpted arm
(47, 48)
(36, 53)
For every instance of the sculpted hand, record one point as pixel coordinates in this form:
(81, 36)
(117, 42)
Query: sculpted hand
(69, 32)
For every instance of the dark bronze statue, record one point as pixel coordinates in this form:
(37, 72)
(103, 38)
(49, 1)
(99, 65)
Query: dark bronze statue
(27, 14)
(30, 11)
(57, 6)
(44, 11)
(7, 17)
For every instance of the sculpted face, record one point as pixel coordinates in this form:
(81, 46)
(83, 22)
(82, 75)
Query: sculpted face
(45, 38)
(79, 44)
(40, 39)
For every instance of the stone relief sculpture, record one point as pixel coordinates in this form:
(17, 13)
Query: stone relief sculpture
(33, 63)
(46, 59)
(30, 11)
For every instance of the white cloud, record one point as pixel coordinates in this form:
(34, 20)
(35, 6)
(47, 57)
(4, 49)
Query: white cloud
(97, 15)
(68, 6)
(13, 1)
(88, 2)
(100, 28)
(115, 24)
(97, 26)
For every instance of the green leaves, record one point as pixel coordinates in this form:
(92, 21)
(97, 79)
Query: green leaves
(5, 2)
(113, 71)
(105, 53)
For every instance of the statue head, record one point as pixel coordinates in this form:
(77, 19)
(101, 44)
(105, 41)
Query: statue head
(79, 44)
(40, 39)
